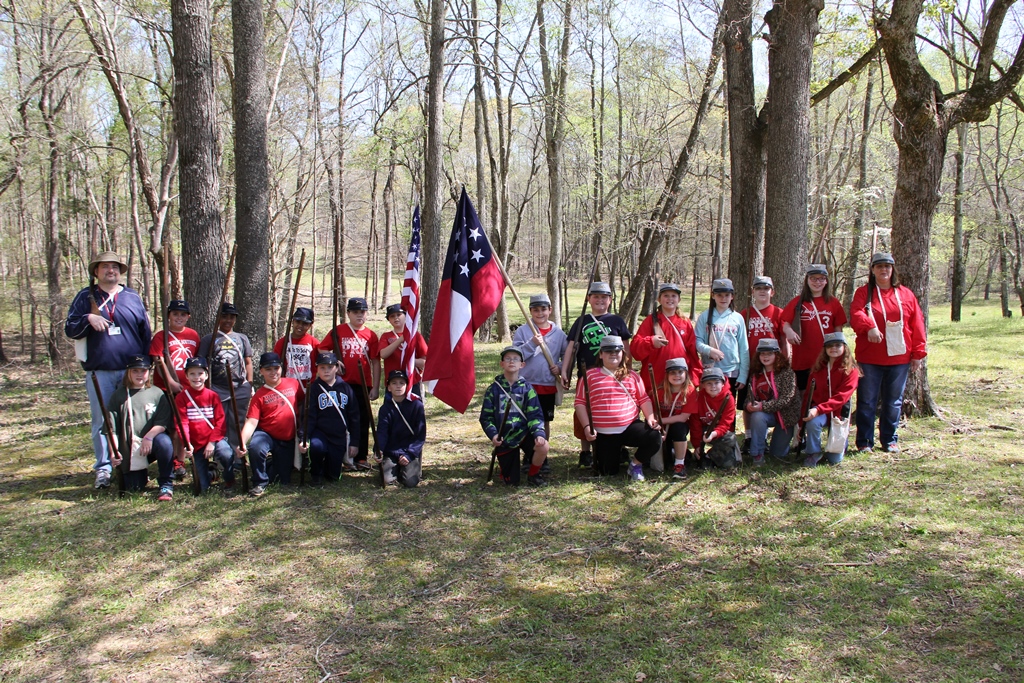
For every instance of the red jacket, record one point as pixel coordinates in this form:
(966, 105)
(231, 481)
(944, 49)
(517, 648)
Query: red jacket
(704, 416)
(842, 387)
(915, 336)
(197, 419)
(682, 343)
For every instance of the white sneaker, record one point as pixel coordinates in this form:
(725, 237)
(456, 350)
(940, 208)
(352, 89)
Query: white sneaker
(102, 479)
(636, 472)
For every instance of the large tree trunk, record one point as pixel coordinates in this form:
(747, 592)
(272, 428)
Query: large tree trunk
(53, 236)
(746, 150)
(252, 190)
(433, 196)
(862, 182)
(195, 123)
(793, 25)
(555, 77)
(959, 275)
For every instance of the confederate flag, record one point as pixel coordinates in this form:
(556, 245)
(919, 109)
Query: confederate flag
(470, 291)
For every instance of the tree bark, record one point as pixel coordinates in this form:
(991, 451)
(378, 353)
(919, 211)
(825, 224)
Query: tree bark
(433, 196)
(195, 124)
(252, 188)
(746, 149)
(853, 257)
(793, 25)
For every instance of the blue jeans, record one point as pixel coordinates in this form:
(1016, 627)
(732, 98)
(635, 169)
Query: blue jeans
(880, 390)
(812, 438)
(225, 456)
(281, 465)
(759, 424)
(325, 457)
(109, 381)
(163, 454)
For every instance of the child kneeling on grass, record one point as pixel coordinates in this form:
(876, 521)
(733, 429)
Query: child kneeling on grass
(510, 416)
(772, 401)
(712, 422)
(401, 433)
(204, 423)
(142, 418)
(616, 399)
(333, 422)
(835, 377)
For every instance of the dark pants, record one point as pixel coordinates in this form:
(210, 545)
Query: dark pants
(880, 392)
(608, 447)
(162, 454)
(223, 453)
(407, 475)
(364, 422)
(508, 460)
(280, 468)
(325, 457)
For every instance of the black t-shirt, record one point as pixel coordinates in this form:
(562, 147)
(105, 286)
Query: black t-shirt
(596, 328)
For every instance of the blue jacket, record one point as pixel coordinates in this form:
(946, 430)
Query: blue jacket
(529, 422)
(324, 417)
(110, 351)
(394, 437)
(730, 332)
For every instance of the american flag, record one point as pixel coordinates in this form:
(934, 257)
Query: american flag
(411, 300)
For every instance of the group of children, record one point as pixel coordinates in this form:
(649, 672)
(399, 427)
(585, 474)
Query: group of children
(789, 370)
(314, 402)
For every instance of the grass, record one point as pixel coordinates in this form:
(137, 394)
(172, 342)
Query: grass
(887, 568)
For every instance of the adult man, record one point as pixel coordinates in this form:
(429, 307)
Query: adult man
(109, 325)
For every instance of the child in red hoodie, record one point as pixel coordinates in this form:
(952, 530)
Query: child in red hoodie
(712, 421)
(202, 419)
(835, 377)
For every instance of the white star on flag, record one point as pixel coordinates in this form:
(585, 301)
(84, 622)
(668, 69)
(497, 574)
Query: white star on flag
(474, 233)
(463, 269)
(476, 255)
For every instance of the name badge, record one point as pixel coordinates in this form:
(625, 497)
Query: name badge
(113, 330)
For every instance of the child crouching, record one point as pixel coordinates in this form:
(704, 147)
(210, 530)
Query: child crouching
(204, 423)
(401, 432)
(512, 418)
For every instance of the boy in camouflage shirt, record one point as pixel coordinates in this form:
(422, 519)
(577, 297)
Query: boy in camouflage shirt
(522, 429)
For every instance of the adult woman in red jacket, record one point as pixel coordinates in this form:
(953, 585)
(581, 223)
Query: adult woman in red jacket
(891, 341)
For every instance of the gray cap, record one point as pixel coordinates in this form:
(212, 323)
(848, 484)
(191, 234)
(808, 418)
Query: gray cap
(817, 269)
(599, 288)
(882, 257)
(675, 364)
(768, 344)
(836, 337)
(669, 287)
(763, 281)
(540, 300)
(511, 349)
(722, 284)
(611, 341)
(711, 374)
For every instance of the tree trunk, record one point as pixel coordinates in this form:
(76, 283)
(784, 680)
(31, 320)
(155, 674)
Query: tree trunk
(433, 196)
(746, 149)
(853, 258)
(555, 77)
(53, 236)
(252, 188)
(959, 275)
(793, 25)
(202, 234)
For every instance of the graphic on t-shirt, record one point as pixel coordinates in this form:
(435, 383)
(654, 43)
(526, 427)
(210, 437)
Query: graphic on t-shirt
(759, 326)
(592, 334)
(228, 352)
(297, 358)
(825, 316)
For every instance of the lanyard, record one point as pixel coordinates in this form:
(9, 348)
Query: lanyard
(408, 426)
(675, 400)
(508, 396)
(111, 301)
(817, 316)
(881, 304)
(287, 402)
(198, 409)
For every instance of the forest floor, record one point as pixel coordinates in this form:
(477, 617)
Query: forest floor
(906, 567)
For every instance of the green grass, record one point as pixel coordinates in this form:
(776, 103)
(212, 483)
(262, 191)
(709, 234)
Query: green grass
(887, 568)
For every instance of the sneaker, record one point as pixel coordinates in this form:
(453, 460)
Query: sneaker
(347, 464)
(759, 460)
(864, 450)
(586, 459)
(636, 472)
(812, 460)
(102, 479)
(166, 493)
(257, 491)
(891, 448)
(679, 471)
(545, 469)
(536, 480)
(179, 473)
(362, 465)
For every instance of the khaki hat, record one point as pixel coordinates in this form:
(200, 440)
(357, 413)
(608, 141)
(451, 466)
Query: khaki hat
(107, 257)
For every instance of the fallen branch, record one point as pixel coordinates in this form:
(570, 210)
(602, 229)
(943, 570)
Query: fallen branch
(1002, 428)
(431, 591)
(847, 564)
(161, 594)
(316, 653)
(355, 526)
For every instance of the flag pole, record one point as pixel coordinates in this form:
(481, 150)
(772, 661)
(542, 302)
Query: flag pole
(515, 295)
